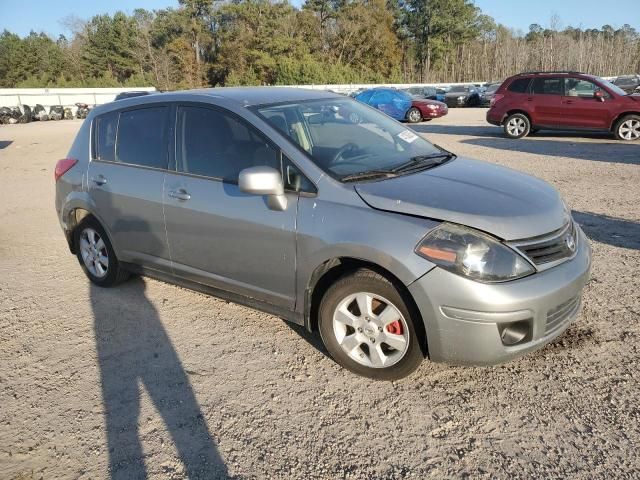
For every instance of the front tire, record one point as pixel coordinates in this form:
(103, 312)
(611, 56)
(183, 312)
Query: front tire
(517, 125)
(368, 327)
(628, 128)
(96, 255)
(414, 115)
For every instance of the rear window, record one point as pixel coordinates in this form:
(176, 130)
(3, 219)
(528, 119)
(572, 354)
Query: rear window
(547, 86)
(104, 144)
(141, 137)
(519, 85)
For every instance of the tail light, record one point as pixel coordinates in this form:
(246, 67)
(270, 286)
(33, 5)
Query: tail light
(63, 166)
(496, 98)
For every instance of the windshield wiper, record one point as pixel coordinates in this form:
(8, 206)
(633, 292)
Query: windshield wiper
(367, 175)
(423, 161)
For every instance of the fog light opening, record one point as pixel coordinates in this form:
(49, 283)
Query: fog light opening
(514, 333)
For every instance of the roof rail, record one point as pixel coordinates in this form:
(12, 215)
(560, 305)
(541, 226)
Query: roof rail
(554, 71)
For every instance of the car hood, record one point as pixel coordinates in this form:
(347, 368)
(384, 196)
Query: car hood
(506, 203)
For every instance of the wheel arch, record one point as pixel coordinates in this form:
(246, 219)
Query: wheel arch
(74, 212)
(517, 110)
(620, 116)
(325, 274)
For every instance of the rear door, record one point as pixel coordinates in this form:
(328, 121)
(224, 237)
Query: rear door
(218, 235)
(545, 101)
(581, 109)
(126, 175)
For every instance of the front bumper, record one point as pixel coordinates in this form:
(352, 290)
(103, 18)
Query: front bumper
(463, 318)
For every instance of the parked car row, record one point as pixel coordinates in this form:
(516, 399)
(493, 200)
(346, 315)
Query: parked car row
(25, 114)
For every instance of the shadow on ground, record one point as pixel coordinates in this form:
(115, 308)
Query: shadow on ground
(610, 230)
(5, 143)
(135, 353)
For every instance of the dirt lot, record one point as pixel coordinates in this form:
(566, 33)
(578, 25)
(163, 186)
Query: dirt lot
(175, 383)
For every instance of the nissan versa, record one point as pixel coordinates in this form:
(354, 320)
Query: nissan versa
(391, 247)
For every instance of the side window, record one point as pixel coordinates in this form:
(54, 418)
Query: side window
(295, 180)
(141, 137)
(575, 87)
(520, 85)
(547, 86)
(215, 144)
(104, 141)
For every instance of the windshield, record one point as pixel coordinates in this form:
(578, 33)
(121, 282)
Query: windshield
(345, 137)
(459, 89)
(493, 87)
(614, 88)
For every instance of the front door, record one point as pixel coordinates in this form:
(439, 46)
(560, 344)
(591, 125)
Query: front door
(218, 235)
(125, 181)
(582, 109)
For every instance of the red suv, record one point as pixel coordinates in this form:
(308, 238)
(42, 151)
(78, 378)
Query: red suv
(529, 102)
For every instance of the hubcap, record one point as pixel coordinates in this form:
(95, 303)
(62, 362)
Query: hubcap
(630, 130)
(371, 330)
(516, 126)
(414, 115)
(94, 252)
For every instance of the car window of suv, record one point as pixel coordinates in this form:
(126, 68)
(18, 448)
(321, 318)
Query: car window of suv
(215, 144)
(575, 87)
(104, 144)
(141, 137)
(547, 86)
(519, 85)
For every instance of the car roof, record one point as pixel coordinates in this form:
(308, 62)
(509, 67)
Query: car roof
(263, 95)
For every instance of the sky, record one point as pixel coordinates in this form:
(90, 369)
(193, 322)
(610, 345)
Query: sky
(21, 16)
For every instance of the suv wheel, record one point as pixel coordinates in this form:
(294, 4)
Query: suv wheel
(628, 128)
(414, 115)
(517, 125)
(96, 255)
(368, 328)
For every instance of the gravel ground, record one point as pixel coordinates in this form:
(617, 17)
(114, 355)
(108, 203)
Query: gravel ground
(179, 384)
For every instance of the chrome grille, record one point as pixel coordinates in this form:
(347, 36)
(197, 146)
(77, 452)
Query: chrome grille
(557, 316)
(553, 247)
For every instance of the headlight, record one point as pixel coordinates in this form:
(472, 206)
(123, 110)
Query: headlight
(461, 97)
(472, 254)
(432, 107)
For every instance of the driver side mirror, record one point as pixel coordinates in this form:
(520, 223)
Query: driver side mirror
(599, 95)
(264, 181)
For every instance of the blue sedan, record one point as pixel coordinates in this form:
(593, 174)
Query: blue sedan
(394, 103)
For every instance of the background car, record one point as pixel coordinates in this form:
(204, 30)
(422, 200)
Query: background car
(462, 96)
(428, 93)
(394, 103)
(423, 109)
(532, 101)
(628, 83)
(488, 93)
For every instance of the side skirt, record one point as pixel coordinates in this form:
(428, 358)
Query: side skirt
(256, 304)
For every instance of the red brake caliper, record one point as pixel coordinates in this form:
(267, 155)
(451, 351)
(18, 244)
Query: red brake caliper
(395, 328)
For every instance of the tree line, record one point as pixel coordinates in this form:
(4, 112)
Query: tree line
(271, 42)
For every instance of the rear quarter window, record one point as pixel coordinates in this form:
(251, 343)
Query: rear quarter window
(104, 137)
(519, 85)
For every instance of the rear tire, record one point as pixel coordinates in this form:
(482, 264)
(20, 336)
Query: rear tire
(414, 115)
(96, 255)
(517, 125)
(382, 342)
(628, 128)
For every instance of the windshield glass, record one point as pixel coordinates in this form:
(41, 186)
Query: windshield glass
(616, 89)
(459, 89)
(345, 137)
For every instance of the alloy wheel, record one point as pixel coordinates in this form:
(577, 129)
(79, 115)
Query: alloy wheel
(414, 115)
(94, 252)
(371, 330)
(630, 129)
(516, 126)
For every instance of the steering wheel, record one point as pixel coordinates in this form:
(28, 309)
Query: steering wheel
(346, 148)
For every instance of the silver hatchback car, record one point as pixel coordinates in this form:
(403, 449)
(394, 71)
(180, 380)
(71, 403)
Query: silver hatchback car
(321, 210)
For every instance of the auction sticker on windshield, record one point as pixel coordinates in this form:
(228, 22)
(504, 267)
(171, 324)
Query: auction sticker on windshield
(408, 136)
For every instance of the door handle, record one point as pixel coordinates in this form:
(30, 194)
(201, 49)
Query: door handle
(568, 102)
(99, 180)
(180, 194)
(529, 99)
